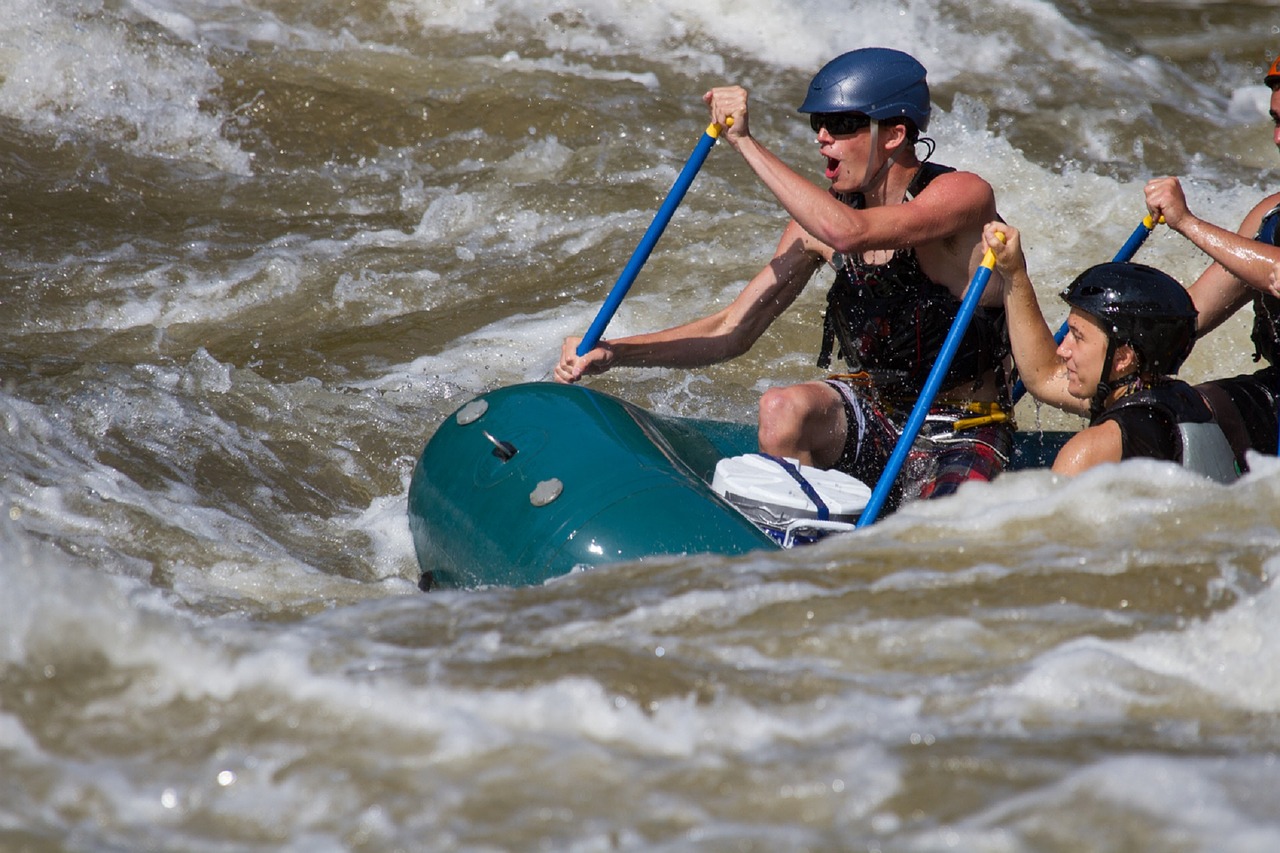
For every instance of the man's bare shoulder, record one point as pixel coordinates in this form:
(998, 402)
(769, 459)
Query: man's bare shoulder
(966, 196)
(960, 180)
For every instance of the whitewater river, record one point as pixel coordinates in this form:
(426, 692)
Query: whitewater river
(253, 252)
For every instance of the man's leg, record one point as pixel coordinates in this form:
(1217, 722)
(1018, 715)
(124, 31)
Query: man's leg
(804, 422)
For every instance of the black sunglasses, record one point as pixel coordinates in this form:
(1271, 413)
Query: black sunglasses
(839, 124)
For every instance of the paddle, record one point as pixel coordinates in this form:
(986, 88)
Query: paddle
(1126, 253)
(931, 387)
(650, 238)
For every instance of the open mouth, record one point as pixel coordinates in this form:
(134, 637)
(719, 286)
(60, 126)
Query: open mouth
(833, 168)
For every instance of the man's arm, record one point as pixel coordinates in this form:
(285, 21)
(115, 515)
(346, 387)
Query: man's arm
(1240, 264)
(726, 334)
(951, 209)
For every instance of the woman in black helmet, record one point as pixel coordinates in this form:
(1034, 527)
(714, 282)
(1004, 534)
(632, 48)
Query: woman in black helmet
(1237, 276)
(904, 237)
(1129, 330)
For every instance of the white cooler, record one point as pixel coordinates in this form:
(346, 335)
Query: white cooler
(770, 492)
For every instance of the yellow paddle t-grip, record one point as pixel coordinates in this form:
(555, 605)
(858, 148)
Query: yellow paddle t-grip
(713, 129)
(989, 259)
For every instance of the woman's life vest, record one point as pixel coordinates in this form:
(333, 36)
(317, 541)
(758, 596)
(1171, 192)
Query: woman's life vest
(1172, 421)
(891, 319)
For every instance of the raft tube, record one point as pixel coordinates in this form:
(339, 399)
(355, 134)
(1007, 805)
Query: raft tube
(533, 481)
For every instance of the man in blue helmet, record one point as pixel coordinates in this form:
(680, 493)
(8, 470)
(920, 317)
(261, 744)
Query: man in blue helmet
(1240, 273)
(904, 237)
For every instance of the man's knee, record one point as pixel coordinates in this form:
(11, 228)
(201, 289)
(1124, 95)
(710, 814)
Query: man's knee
(781, 419)
(798, 421)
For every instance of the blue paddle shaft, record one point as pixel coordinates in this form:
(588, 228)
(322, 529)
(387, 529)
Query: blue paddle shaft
(649, 240)
(932, 385)
(1126, 253)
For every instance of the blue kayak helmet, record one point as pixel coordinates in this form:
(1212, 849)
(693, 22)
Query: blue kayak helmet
(878, 82)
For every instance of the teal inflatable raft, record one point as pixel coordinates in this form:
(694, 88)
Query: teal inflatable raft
(534, 481)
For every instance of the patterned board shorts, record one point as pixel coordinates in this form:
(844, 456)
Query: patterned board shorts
(942, 457)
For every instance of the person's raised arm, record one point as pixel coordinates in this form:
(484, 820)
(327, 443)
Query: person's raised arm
(952, 203)
(1240, 264)
(1034, 351)
(808, 204)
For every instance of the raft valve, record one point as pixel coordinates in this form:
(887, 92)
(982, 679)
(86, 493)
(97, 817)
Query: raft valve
(504, 450)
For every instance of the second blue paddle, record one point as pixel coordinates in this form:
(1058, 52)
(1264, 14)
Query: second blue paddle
(932, 385)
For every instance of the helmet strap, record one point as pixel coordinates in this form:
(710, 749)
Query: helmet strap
(874, 175)
(1105, 385)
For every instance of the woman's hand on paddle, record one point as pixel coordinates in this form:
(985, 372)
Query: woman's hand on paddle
(1166, 199)
(573, 367)
(728, 105)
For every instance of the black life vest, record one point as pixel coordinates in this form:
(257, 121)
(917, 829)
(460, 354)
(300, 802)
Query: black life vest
(1183, 429)
(891, 319)
(1266, 308)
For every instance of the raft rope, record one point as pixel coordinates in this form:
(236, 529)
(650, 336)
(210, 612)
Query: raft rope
(824, 514)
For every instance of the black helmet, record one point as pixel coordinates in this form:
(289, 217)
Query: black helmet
(878, 82)
(1142, 307)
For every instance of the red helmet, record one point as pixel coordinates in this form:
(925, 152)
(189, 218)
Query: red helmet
(1273, 74)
